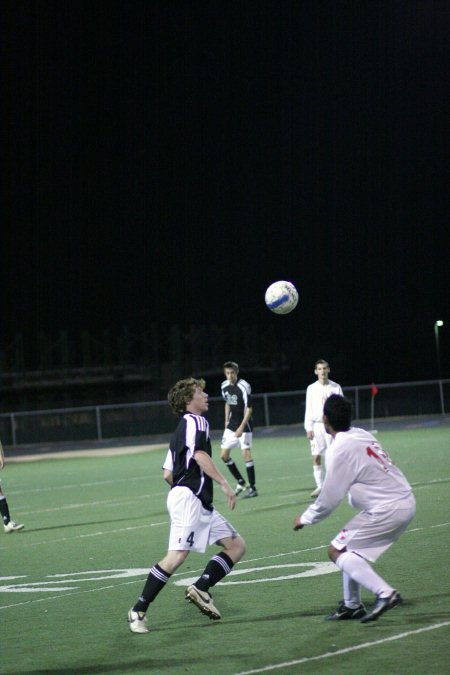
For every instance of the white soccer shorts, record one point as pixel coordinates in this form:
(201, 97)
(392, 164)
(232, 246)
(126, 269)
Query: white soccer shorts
(230, 440)
(371, 534)
(321, 440)
(192, 527)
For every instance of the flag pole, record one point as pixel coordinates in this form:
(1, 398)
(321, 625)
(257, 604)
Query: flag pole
(374, 392)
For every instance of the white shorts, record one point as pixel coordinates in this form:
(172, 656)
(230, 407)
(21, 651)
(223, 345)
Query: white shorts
(321, 441)
(192, 527)
(230, 440)
(371, 534)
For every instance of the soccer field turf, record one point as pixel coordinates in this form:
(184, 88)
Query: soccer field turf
(94, 527)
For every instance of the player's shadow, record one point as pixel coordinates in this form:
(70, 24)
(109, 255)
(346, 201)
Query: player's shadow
(147, 664)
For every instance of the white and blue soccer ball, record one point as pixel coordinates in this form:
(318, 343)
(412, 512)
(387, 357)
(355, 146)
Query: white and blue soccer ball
(281, 297)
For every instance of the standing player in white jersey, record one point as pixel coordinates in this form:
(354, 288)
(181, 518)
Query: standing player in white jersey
(194, 522)
(316, 395)
(359, 467)
(237, 394)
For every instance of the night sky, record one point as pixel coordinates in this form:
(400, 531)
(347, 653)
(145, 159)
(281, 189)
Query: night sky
(165, 161)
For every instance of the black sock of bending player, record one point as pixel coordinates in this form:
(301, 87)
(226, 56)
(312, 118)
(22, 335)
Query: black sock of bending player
(156, 581)
(251, 473)
(234, 470)
(219, 566)
(4, 510)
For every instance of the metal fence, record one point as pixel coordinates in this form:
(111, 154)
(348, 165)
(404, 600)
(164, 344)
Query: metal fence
(155, 418)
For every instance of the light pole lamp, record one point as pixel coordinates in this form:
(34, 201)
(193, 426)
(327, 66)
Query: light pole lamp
(437, 325)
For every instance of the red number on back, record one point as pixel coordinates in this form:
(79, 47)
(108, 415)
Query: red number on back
(372, 453)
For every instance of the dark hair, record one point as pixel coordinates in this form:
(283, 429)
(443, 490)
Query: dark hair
(182, 393)
(338, 411)
(231, 364)
(321, 361)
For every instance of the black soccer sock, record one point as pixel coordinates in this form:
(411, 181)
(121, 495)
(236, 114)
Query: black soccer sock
(218, 567)
(4, 510)
(234, 470)
(251, 473)
(156, 581)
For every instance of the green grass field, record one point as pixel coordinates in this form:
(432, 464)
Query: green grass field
(95, 525)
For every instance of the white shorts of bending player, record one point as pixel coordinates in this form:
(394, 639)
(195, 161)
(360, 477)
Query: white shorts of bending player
(230, 440)
(192, 527)
(371, 534)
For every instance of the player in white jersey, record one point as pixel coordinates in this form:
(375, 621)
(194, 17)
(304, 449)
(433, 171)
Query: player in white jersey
(360, 468)
(316, 395)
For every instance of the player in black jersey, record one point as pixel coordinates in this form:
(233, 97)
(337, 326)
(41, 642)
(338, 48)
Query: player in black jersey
(194, 522)
(236, 393)
(8, 524)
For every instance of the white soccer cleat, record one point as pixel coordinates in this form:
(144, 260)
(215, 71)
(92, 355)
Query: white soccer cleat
(250, 493)
(239, 488)
(203, 600)
(316, 492)
(12, 527)
(137, 622)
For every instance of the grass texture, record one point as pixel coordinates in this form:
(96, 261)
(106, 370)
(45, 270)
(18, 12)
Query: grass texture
(94, 527)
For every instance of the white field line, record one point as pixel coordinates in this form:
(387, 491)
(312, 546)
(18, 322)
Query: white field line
(117, 501)
(136, 579)
(76, 486)
(112, 481)
(126, 529)
(84, 536)
(89, 452)
(347, 650)
(183, 573)
(129, 500)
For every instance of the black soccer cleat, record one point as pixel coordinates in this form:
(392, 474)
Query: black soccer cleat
(343, 613)
(381, 606)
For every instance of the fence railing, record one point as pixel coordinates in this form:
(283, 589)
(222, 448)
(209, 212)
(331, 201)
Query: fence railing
(155, 418)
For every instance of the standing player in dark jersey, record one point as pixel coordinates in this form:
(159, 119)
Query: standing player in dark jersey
(194, 522)
(236, 393)
(8, 524)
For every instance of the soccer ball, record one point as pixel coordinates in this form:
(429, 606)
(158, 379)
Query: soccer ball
(281, 297)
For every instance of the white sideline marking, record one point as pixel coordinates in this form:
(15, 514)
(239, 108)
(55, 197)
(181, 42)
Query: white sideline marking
(76, 486)
(327, 655)
(104, 502)
(89, 534)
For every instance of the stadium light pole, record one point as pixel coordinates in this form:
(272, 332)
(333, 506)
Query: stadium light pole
(438, 324)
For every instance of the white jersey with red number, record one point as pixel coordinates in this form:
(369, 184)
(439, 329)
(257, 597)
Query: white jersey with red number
(316, 395)
(358, 466)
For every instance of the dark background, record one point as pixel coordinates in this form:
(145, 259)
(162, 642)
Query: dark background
(164, 162)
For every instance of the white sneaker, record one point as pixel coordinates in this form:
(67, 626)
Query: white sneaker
(239, 488)
(316, 492)
(203, 600)
(137, 621)
(12, 527)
